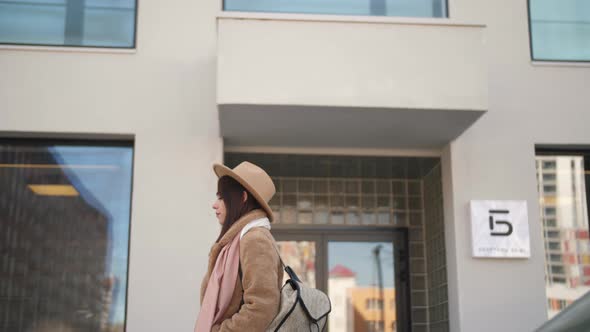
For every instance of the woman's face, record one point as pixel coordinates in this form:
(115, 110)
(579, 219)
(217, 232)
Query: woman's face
(220, 212)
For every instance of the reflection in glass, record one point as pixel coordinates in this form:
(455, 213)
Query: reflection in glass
(383, 202)
(321, 217)
(305, 218)
(64, 217)
(321, 201)
(300, 256)
(320, 186)
(410, 8)
(564, 216)
(305, 186)
(361, 286)
(343, 195)
(336, 186)
(353, 217)
(399, 188)
(304, 202)
(337, 217)
(96, 23)
(560, 30)
(290, 185)
(369, 217)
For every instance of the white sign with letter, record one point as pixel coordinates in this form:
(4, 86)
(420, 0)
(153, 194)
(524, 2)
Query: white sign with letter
(500, 229)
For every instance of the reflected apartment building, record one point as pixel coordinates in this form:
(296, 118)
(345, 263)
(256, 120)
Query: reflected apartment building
(564, 215)
(359, 308)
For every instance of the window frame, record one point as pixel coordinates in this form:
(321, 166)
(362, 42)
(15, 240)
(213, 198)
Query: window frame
(46, 139)
(445, 16)
(83, 47)
(581, 151)
(532, 56)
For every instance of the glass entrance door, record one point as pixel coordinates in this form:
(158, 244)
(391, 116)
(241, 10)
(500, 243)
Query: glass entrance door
(365, 274)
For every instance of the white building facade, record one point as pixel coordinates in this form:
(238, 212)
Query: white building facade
(200, 83)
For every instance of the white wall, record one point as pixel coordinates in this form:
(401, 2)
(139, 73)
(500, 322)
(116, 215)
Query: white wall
(494, 159)
(165, 95)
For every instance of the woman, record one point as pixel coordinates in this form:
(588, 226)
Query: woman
(241, 290)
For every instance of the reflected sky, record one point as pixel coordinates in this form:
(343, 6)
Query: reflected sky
(411, 8)
(103, 23)
(560, 30)
(108, 189)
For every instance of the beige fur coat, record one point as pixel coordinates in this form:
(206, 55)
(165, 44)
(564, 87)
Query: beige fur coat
(262, 276)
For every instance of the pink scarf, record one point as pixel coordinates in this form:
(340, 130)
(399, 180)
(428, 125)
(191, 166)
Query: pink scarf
(220, 288)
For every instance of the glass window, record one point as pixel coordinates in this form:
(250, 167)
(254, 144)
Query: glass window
(65, 211)
(300, 256)
(560, 30)
(550, 222)
(90, 23)
(374, 304)
(320, 199)
(550, 211)
(410, 8)
(364, 274)
(375, 326)
(564, 216)
(557, 270)
(553, 245)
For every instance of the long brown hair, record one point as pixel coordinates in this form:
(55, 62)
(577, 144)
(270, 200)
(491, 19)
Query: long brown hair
(231, 192)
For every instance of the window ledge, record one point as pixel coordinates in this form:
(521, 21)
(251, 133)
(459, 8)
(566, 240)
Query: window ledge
(560, 63)
(345, 19)
(67, 49)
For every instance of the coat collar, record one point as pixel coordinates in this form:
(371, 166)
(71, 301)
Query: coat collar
(232, 232)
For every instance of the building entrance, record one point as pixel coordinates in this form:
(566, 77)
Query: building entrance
(365, 272)
(367, 230)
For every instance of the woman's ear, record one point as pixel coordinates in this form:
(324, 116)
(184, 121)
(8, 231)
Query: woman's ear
(244, 196)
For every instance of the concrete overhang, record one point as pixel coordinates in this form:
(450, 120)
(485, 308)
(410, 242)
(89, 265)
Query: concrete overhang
(386, 83)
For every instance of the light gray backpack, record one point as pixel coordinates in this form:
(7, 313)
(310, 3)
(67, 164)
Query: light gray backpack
(302, 308)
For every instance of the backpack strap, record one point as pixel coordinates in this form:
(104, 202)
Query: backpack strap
(240, 275)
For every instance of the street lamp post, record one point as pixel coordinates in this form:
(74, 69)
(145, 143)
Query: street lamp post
(376, 253)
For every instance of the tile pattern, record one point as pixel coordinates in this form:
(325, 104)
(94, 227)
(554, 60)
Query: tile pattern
(438, 317)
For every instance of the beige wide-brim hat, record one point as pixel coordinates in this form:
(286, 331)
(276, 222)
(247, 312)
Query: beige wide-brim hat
(254, 179)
